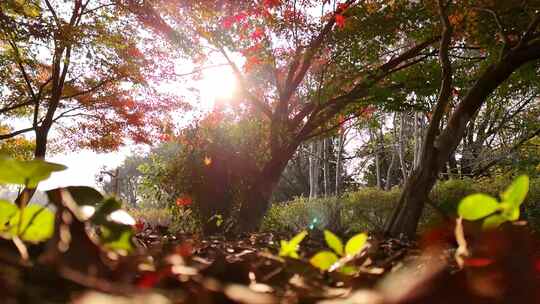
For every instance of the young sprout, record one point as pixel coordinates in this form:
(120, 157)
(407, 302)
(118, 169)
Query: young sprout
(482, 206)
(325, 259)
(290, 248)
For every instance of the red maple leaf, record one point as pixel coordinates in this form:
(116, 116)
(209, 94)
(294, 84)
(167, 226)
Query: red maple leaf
(340, 20)
(164, 137)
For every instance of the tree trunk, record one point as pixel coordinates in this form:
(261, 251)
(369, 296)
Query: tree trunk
(315, 169)
(258, 196)
(326, 166)
(401, 148)
(439, 146)
(339, 164)
(389, 172)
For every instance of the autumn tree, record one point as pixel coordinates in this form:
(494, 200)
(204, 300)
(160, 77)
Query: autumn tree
(305, 63)
(75, 65)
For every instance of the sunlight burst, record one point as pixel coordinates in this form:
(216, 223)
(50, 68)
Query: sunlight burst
(217, 85)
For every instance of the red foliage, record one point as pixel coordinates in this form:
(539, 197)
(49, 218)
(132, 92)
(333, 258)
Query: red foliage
(149, 280)
(271, 3)
(257, 34)
(184, 201)
(340, 20)
(342, 7)
(165, 137)
(139, 225)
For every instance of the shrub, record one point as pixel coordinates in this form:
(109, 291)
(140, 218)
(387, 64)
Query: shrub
(363, 210)
(367, 209)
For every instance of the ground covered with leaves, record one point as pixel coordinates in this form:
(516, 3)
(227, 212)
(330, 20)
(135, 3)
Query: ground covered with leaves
(61, 253)
(500, 267)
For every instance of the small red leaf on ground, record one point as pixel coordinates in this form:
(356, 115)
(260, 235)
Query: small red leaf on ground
(478, 262)
(149, 280)
(139, 225)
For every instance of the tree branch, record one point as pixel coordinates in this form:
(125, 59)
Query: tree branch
(265, 109)
(13, 134)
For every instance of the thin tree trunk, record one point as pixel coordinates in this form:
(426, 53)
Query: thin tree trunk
(401, 149)
(326, 167)
(389, 172)
(315, 169)
(339, 164)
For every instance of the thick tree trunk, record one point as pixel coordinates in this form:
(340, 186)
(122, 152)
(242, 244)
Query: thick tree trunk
(257, 198)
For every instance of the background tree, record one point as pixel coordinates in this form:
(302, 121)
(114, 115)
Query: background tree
(516, 47)
(76, 65)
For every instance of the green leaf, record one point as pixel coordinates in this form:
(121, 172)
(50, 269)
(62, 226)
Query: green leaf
(290, 248)
(493, 221)
(509, 211)
(477, 206)
(356, 244)
(7, 211)
(28, 173)
(324, 260)
(37, 224)
(348, 270)
(515, 194)
(333, 242)
(297, 239)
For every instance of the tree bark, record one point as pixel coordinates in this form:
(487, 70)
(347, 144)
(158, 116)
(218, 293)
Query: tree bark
(339, 161)
(258, 196)
(401, 148)
(388, 183)
(315, 169)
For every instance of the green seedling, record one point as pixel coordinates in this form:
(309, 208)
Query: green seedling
(290, 248)
(482, 206)
(325, 259)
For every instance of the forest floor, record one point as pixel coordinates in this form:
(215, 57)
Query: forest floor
(503, 267)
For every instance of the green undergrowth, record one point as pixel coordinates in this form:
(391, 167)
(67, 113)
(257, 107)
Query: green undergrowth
(354, 212)
(368, 208)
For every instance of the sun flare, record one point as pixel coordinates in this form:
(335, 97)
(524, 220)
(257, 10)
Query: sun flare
(217, 85)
